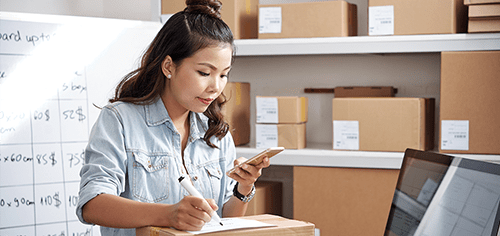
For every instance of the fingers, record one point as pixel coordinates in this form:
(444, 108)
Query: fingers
(193, 213)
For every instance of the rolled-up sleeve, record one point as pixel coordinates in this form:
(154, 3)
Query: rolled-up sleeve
(105, 165)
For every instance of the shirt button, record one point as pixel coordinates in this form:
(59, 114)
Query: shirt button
(195, 178)
(149, 166)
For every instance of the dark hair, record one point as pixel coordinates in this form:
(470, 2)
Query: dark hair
(197, 27)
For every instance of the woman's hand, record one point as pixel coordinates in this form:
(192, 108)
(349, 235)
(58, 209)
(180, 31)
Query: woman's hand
(247, 174)
(191, 213)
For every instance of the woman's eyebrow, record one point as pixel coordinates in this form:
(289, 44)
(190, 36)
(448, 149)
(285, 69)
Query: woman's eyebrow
(212, 66)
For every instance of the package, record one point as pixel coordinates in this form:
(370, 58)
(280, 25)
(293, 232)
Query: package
(470, 102)
(281, 109)
(486, 10)
(308, 19)
(236, 111)
(283, 226)
(410, 17)
(289, 136)
(472, 2)
(484, 25)
(267, 200)
(383, 124)
(240, 16)
(386, 91)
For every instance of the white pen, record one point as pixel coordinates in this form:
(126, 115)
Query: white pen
(186, 183)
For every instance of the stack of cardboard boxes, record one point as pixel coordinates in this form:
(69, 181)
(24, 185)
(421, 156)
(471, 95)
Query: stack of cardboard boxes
(281, 122)
(484, 15)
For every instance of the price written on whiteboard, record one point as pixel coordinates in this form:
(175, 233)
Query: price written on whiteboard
(74, 114)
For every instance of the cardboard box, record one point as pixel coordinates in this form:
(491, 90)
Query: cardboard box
(470, 94)
(472, 2)
(267, 200)
(484, 25)
(487, 10)
(282, 109)
(289, 136)
(412, 17)
(386, 91)
(240, 16)
(308, 19)
(383, 124)
(283, 227)
(236, 111)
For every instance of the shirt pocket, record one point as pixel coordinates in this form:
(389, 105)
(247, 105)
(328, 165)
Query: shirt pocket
(150, 177)
(214, 174)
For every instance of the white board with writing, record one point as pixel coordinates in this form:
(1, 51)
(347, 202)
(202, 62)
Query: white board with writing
(53, 69)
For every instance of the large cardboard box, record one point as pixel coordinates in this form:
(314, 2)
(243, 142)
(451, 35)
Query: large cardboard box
(365, 91)
(411, 17)
(383, 124)
(281, 109)
(236, 111)
(283, 227)
(308, 19)
(240, 15)
(289, 136)
(267, 200)
(470, 102)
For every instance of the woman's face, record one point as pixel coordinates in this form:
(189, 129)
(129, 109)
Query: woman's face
(198, 80)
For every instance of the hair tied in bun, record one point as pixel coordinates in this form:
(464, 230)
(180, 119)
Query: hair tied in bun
(208, 7)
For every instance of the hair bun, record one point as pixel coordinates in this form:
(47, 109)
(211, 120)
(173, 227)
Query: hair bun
(208, 7)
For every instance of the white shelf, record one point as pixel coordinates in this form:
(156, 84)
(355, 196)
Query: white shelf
(368, 44)
(321, 155)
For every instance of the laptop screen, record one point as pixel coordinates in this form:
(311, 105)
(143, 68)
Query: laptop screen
(438, 194)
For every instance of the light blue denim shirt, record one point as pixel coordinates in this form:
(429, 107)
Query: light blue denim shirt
(134, 151)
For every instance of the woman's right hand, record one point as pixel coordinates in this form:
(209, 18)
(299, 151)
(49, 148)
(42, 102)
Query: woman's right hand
(191, 213)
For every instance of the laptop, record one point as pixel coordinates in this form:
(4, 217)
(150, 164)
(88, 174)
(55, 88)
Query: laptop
(439, 194)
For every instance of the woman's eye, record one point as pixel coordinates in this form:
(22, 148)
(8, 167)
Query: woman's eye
(203, 73)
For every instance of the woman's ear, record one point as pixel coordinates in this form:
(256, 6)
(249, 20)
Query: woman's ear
(167, 66)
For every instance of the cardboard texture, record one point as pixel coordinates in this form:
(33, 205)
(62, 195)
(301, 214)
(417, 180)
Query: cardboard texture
(470, 88)
(426, 16)
(472, 2)
(291, 110)
(284, 227)
(489, 10)
(240, 15)
(389, 124)
(386, 91)
(267, 200)
(315, 19)
(484, 25)
(236, 111)
(290, 136)
(344, 201)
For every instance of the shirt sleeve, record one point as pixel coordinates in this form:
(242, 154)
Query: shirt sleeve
(105, 160)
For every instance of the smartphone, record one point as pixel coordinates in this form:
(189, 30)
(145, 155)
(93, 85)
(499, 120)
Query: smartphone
(255, 160)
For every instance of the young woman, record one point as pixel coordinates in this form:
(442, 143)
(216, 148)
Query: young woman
(164, 122)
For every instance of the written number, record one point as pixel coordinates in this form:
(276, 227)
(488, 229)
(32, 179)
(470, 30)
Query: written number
(74, 114)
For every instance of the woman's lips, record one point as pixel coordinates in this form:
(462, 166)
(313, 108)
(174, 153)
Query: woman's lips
(206, 101)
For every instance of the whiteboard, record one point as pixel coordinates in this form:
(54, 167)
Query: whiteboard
(53, 69)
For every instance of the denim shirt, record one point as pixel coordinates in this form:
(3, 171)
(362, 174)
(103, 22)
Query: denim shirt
(134, 151)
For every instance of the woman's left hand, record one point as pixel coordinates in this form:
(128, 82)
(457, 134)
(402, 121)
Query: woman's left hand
(247, 174)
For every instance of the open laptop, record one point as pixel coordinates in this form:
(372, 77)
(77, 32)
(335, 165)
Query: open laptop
(439, 194)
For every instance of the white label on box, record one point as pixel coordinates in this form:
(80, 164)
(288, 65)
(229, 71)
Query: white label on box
(346, 134)
(454, 135)
(267, 110)
(381, 20)
(266, 136)
(270, 20)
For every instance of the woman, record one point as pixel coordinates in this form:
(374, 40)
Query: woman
(165, 122)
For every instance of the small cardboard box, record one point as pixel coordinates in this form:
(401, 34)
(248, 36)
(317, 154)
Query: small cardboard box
(267, 200)
(283, 227)
(472, 2)
(487, 10)
(374, 91)
(470, 102)
(240, 16)
(236, 111)
(484, 25)
(289, 136)
(282, 109)
(383, 124)
(308, 20)
(410, 17)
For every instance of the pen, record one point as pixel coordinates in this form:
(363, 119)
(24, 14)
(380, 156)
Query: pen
(193, 192)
